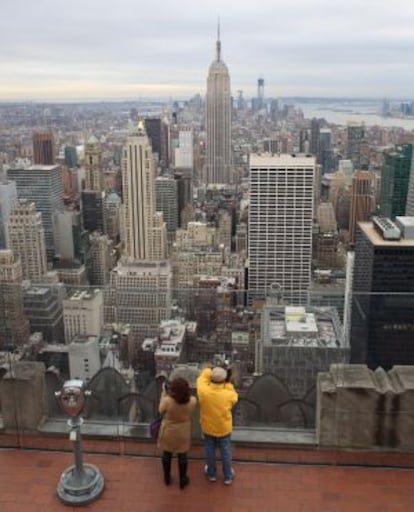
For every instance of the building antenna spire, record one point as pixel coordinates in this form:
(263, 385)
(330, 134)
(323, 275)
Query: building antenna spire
(218, 44)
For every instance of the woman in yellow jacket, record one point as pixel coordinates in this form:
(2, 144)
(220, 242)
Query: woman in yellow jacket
(216, 398)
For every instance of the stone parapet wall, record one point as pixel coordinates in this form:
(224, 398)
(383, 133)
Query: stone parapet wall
(361, 408)
(22, 396)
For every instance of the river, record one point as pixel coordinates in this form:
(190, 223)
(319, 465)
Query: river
(341, 114)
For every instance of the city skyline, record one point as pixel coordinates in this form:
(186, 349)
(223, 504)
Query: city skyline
(103, 51)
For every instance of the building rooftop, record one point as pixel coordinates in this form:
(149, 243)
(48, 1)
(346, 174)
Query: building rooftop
(282, 160)
(376, 238)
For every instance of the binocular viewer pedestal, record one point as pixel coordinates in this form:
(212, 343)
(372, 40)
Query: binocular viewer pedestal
(81, 483)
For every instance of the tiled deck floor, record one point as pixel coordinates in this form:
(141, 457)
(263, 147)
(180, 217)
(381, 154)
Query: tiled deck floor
(28, 482)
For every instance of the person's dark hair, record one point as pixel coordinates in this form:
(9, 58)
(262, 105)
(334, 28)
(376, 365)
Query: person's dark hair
(179, 389)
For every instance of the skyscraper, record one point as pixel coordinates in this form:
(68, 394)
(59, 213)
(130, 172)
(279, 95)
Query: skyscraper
(218, 121)
(167, 202)
(325, 149)
(395, 177)
(14, 326)
(8, 198)
(93, 210)
(383, 300)
(362, 204)
(260, 93)
(141, 224)
(280, 225)
(94, 179)
(43, 185)
(157, 131)
(26, 237)
(409, 209)
(355, 136)
(43, 148)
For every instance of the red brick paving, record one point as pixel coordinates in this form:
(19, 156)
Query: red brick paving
(28, 481)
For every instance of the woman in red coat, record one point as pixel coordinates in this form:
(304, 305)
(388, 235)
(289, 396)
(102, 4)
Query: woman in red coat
(177, 406)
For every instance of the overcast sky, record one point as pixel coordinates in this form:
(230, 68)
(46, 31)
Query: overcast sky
(90, 49)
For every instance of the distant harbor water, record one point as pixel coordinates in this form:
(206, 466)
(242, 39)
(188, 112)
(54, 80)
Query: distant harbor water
(341, 114)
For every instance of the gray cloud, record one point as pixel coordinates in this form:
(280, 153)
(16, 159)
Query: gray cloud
(308, 47)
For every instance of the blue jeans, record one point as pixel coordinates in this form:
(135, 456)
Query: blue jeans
(224, 445)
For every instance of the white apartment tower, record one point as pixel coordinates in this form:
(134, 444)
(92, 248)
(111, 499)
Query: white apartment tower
(83, 314)
(26, 237)
(218, 121)
(184, 154)
(280, 226)
(143, 237)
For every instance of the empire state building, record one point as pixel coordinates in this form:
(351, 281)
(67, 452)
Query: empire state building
(218, 121)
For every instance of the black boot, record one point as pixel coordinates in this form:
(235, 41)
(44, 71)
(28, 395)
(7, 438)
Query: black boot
(166, 466)
(182, 471)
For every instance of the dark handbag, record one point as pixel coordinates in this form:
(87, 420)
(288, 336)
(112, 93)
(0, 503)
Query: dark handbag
(154, 428)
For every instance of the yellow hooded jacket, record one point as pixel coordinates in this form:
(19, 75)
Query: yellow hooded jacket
(216, 402)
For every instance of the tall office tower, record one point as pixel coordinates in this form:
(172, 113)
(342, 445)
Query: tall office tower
(409, 209)
(94, 175)
(157, 130)
(184, 193)
(280, 225)
(362, 204)
(218, 122)
(26, 238)
(224, 229)
(240, 101)
(139, 294)
(71, 157)
(355, 136)
(83, 313)
(184, 153)
(395, 177)
(304, 144)
(14, 326)
(8, 198)
(316, 125)
(139, 198)
(43, 148)
(100, 260)
(43, 185)
(339, 196)
(326, 237)
(43, 307)
(112, 205)
(93, 210)
(68, 235)
(347, 168)
(325, 150)
(241, 238)
(260, 93)
(166, 196)
(383, 300)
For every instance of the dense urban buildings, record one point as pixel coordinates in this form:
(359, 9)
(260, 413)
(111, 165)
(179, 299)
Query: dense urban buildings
(209, 228)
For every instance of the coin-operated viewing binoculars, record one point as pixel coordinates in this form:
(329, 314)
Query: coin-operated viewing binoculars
(81, 483)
